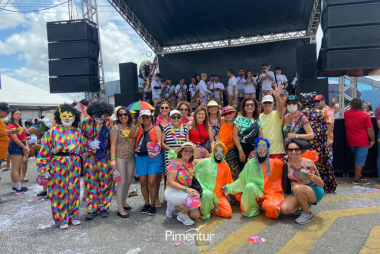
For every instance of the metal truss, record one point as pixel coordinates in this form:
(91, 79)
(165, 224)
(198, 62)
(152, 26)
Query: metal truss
(123, 9)
(235, 42)
(90, 12)
(315, 18)
(342, 89)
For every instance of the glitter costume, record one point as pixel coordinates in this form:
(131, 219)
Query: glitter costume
(213, 176)
(258, 184)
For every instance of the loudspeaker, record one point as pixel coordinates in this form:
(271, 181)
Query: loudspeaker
(74, 84)
(328, 3)
(307, 61)
(352, 59)
(321, 86)
(73, 67)
(351, 15)
(75, 49)
(128, 77)
(72, 30)
(125, 99)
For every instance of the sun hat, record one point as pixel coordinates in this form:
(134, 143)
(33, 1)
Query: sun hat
(213, 104)
(227, 110)
(189, 145)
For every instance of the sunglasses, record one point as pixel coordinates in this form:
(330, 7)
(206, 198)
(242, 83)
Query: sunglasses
(229, 113)
(250, 105)
(122, 114)
(184, 109)
(293, 149)
(292, 103)
(317, 101)
(175, 117)
(145, 117)
(188, 150)
(165, 108)
(267, 102)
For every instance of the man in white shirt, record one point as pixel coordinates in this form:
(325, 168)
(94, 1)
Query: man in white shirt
(170, 93)
(181, 90)
(280, 78)
(266, 81)
(217, 88)
(232, 89)
(203, 91)
(240, 86)
(156, 89)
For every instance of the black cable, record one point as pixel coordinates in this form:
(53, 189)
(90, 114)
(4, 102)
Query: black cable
(36, 10)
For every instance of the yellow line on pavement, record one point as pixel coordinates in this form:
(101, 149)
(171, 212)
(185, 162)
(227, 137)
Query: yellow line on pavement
(352, 196)
(372, 244)
(236, 240)
(306, 238)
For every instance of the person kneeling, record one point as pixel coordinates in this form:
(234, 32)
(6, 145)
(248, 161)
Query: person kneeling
(302, 182)
(180, 177)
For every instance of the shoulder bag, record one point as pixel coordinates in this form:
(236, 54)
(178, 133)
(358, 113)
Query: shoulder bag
(251, 134)
(206, 145)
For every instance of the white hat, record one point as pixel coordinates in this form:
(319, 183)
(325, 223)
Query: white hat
(267, 98)
(174, 111)
(48, 123)
(213, 103)
(145, 113)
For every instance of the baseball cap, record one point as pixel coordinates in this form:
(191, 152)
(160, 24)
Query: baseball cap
(267, 98)
(145, 113)
(174, 111)
(319, 97)
(292, 98)
(4, 107)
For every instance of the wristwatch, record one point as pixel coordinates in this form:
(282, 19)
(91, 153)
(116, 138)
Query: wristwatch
(13, 132)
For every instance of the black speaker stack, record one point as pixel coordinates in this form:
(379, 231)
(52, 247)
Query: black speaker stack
(351, 38)
(128, 85)
(73, 51)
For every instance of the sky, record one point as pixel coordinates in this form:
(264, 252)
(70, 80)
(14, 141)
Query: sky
(23, 40)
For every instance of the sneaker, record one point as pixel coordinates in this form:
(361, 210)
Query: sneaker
(185, 219)
(63, 226)
(104, 213)
(41, 194)
(145, 208)
(304, 218)
(137, 179)
(152, 211)
(169, 210)
(360, 182)
(90, 216)
(13, 189)
(76, 222)
(362, 178)
(23, 189)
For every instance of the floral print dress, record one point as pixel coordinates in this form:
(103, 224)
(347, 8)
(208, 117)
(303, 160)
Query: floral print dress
(319, 143)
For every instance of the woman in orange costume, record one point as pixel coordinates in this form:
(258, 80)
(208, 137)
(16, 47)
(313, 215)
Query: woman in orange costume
(213, 173)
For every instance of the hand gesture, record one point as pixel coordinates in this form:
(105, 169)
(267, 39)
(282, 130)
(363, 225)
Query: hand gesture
(312, 177)
(277, 90)
(46, 174)
(192, 192)
(154, 155)
(94, 145)
(139, 121)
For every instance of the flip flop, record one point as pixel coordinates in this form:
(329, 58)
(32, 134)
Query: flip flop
(25, 180)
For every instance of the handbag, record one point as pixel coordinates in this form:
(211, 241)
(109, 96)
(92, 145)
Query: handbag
(206, 145)
(305, 144)
(251, 134)
(286, 185)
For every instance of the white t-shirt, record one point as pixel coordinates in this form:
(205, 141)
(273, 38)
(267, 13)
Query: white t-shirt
(250, 88)
(267, 83)
(193, 88)
(231, 83)
(179, 89)
(33, 139)
(240, 84)
(281, 79)
(156, 92)
(217, 93)
(169, 90)
(202, 87)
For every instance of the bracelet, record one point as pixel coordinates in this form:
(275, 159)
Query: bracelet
(112, 159)
(240, 148)
(296, 135)
(134, 126)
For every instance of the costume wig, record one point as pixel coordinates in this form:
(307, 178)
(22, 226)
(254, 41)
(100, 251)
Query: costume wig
(225, 149)
(67, 108)
(257, 141)
(97, 109)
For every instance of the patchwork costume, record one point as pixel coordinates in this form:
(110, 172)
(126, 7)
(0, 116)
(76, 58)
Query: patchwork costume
(213, 176)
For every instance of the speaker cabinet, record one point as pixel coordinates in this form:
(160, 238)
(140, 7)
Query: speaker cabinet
(71, 67)
(74, 84)
(128, 77)
(307, 61)
(72, 30)
(125, 99)
(353, 59)
(74, 49)
(321, 86)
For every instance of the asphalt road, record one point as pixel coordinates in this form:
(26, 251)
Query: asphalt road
(345, 222)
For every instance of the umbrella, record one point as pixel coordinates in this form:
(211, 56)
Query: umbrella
(254, 239)
(140, 105)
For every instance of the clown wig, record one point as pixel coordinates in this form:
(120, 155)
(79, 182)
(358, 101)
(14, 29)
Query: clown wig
(97, 109)
(67, 108)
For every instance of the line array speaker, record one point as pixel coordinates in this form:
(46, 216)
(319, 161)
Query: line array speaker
(73, 49)
(354, 59)
(125, 99)
(73, 67)
(74, 84)
(72, 30)
(306, 61)
(128, 77)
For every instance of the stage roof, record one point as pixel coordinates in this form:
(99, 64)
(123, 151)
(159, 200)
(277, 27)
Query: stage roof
(181, 22)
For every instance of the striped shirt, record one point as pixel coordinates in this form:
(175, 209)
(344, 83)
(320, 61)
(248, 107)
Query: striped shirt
(170, 142)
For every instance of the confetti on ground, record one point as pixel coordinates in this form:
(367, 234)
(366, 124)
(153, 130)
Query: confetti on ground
(369, 205)
(254, 239)
(178, 243)
(41, 226)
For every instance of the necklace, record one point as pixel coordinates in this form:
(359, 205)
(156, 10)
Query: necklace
(291, 164)
(214, 122)
(181, 133)
(159, 120)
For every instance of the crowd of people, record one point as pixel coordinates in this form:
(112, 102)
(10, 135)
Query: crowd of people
(249, 153)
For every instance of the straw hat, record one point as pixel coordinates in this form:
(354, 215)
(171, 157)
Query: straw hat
(189, 145)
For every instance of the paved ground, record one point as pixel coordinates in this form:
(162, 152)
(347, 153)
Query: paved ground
(345, 222)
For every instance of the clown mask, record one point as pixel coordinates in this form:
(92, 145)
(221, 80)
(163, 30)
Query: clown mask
(100, 119)
(67, 119)
(219, 153)
(262, 149)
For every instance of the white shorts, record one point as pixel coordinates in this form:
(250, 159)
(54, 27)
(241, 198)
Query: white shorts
(176, 197)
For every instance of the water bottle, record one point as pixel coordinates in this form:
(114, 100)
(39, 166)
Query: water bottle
(116, 175)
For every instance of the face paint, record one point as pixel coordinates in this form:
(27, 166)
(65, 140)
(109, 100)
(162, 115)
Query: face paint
(219, 153)
(67, 119)
(262, 149)
(100, 119)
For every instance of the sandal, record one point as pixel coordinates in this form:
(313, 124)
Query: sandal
(6, 169)
(157, 203)
(25, 180)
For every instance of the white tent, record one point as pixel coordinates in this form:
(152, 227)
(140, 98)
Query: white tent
(25, 96)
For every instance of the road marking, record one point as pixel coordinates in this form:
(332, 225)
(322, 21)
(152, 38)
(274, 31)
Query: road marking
(352, 196)
(236, 240)
(306, 238)
(372, 245)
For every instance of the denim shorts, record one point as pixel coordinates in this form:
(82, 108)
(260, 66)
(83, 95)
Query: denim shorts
(360, 153)
(15, 150)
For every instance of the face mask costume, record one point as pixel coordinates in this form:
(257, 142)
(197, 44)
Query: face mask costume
(58, 160)
(213, 173)
(319, 144)
(98, 173)
(259, 183)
